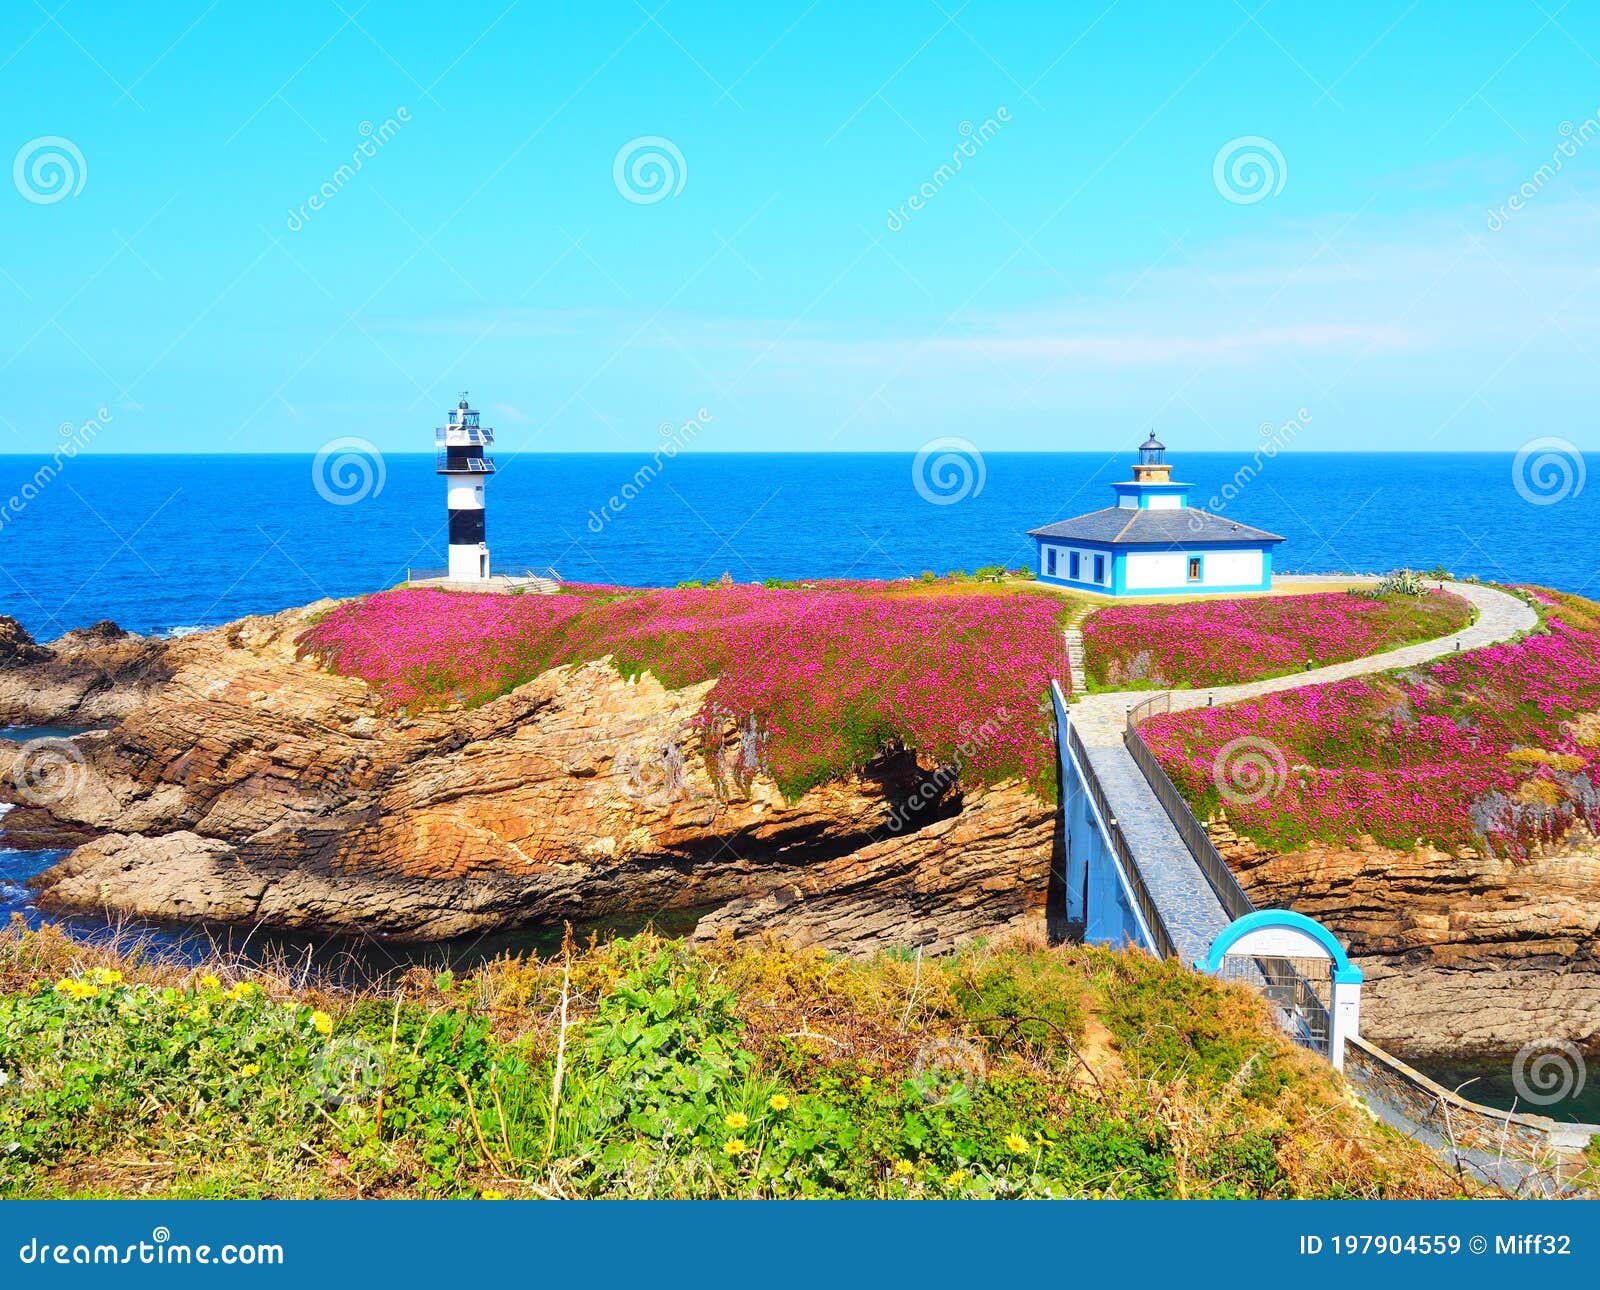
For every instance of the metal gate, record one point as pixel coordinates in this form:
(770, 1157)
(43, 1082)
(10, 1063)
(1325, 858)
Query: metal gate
(1299, 990)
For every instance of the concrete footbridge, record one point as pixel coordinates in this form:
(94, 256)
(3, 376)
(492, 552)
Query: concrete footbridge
(1140, 868)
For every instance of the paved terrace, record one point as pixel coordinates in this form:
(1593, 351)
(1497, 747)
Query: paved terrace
(1187, 902)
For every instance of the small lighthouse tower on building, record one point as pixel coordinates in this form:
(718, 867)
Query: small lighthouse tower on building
(466, 470)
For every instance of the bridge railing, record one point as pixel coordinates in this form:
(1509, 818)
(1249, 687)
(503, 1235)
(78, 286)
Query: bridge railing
(1193, 833)
(1155, 706)
(1165, 946)
(1303, 1009)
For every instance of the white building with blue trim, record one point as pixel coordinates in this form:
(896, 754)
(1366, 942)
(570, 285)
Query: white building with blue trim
(1153, 543)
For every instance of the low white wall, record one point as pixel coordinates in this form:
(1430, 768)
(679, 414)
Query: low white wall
(1170, 569)
(1232, 568)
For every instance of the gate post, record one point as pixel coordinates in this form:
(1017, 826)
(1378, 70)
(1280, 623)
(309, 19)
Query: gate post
(1346, 1012)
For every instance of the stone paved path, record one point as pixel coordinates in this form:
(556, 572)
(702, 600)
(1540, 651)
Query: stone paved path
(1187, 902)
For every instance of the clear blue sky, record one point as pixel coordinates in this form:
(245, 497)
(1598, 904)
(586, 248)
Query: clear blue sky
(1079, 279)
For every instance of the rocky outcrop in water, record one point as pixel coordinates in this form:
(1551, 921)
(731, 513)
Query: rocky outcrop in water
(1463, 952)
(17, 647)
(239, 783)
(88, 677)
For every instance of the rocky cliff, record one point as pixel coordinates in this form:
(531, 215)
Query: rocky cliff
(1463, 952)
(236, 782)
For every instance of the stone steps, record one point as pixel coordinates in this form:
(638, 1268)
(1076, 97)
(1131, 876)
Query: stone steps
(1074, 640)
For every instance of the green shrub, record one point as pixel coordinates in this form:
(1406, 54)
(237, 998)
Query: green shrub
(649, 1068)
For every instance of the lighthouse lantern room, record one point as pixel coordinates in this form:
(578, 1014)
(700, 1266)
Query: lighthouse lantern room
(466, 470)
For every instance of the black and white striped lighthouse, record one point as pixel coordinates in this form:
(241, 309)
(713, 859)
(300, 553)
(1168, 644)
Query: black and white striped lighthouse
(460, 446)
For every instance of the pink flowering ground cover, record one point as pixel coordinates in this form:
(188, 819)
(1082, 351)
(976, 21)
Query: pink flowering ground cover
(829, 677)
(1226, 642)
(1497, 749)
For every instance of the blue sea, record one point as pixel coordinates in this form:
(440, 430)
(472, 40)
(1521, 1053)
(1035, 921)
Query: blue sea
(158, 543)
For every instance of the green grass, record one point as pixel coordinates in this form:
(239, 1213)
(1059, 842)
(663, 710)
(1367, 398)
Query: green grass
(647, 1068)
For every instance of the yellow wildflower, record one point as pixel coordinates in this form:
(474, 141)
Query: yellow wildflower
(251, 1070)
(486, 1194)
(66, 986)
(209, 981)
(778, 1102)
(241, 991)
(735, 1147)
(737, 1120)
(322, 1021)
(1016, 1143)
(902, 1167)
(956, 1178)
(77, 989)
(107, 976)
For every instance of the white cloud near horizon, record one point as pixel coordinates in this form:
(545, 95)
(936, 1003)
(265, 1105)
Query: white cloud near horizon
(1424, 330)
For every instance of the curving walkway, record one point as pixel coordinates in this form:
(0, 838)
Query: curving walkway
(1189, 906)
(1501, 616)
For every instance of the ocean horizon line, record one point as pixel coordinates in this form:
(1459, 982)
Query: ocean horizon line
(829, 452)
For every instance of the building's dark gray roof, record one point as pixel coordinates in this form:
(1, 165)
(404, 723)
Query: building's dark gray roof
(1125, 526)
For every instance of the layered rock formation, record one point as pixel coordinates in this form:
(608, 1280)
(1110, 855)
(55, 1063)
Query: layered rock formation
(1462, 952)
(238, 783)
(91, 676)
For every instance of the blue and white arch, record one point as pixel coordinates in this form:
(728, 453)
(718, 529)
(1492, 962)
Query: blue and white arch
(1268, 934)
